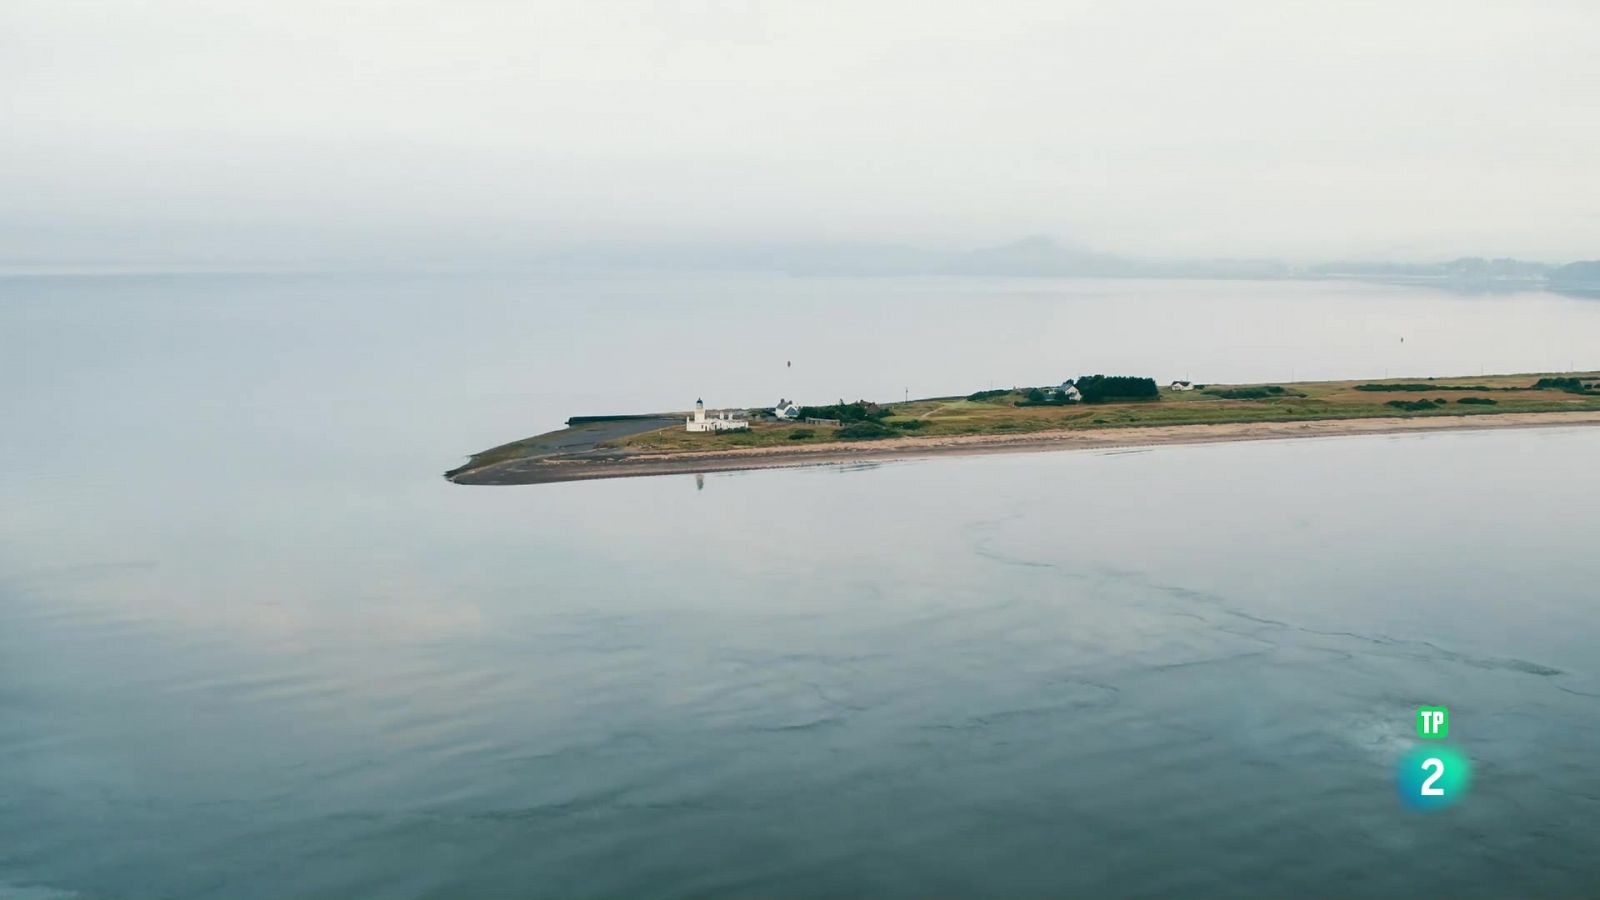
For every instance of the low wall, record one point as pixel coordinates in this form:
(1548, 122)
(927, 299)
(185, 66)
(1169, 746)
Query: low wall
(585, 420)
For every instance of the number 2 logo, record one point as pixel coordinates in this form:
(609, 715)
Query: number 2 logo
(1437, 766)
(1433, 777)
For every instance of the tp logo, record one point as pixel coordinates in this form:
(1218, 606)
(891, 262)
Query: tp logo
(1433, 723)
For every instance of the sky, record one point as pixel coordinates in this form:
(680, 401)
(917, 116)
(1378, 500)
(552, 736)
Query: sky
(303, 133)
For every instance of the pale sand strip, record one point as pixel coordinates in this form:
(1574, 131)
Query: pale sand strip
(580, 468)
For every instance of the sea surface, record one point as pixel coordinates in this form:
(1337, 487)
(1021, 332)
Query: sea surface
(252, 645)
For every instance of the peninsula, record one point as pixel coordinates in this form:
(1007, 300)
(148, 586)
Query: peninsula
(1085, 413)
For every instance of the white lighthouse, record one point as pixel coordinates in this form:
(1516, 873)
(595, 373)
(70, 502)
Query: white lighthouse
(721, 420)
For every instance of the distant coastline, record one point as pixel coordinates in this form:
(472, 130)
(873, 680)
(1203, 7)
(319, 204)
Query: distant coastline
(1029, 258)
(1043, 256)
(1011, 421)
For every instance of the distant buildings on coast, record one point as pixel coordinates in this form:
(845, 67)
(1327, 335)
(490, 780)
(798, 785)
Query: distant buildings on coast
(716, 420)
(739, 419)
(788, 411)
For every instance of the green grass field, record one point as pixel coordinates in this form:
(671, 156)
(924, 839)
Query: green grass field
(1299, 401)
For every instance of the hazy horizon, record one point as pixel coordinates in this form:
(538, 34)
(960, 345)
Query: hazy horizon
(294, 134)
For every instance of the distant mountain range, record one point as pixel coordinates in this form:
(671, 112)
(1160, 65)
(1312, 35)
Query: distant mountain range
(1042, 256)
(1045, 256)
(1031, 256)
(1466, 268)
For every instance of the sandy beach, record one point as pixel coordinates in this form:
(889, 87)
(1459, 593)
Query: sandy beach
(585, 466)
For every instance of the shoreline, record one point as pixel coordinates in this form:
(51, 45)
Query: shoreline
(591, 466)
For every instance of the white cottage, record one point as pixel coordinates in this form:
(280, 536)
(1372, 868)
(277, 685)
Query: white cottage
(1069, 392)
(786, 409)
(1182, 386)
(718, 420)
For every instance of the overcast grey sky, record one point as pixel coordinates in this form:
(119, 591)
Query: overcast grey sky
(313, 130)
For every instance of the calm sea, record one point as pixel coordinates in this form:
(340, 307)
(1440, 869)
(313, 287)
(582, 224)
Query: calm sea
(252, 645)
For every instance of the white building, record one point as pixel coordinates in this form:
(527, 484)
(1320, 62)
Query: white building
(1182, 386)
(1069, 392)
(718, 420)
(786, 409)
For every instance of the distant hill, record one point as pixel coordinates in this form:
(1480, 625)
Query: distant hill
(1044, 256)
(1039, 255)
(1582, 277)
(1466, 268)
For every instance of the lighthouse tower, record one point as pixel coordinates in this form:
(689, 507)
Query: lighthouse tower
(722, 421)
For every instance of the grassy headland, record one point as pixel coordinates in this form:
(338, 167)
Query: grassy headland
(1016, 418)
(998, 412)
